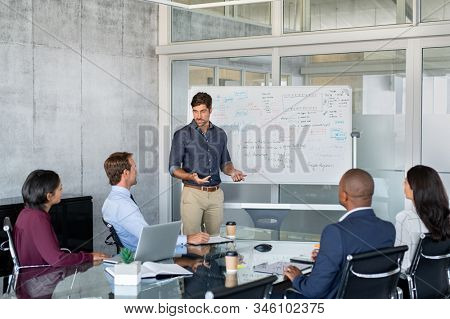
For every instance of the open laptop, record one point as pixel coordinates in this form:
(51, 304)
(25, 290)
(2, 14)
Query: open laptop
(157, 242)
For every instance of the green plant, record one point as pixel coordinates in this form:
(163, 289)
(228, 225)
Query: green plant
(127, 255)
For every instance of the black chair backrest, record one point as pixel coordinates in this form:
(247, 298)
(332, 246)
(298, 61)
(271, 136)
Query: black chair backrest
(372, 275)
(429, 268)
(258, 289)
(7, 227)
(113, 234)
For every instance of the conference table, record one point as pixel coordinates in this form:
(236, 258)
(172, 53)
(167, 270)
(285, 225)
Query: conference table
(206, 262)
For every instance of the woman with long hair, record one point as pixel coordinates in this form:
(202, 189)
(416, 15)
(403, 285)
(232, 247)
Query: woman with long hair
(34, 237)
(430, 211)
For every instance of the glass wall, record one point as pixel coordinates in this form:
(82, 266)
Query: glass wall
(377, 80)
(188, 74)
(314, 15)
(436, 111)
(221, 22)
(255, 78)
(434, 10)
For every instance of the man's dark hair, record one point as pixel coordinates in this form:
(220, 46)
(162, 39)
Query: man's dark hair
(36, 187)
(115, 164)
(202, 98)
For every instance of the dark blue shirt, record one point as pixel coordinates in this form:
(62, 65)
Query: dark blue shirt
(197, 152)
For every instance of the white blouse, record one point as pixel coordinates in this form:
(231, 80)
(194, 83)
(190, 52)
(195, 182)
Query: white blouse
(408, 227)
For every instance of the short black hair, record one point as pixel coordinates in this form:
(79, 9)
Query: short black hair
(202, 98)
(36, 187)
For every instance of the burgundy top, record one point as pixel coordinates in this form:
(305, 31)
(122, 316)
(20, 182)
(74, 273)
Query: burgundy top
(36, 242)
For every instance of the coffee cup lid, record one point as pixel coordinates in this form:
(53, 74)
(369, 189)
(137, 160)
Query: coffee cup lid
(230, 223)
(231, 253)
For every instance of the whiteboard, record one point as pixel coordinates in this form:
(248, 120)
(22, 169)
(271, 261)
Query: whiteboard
(285, 135)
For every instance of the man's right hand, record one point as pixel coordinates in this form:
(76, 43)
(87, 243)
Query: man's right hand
(197, 239)
(199, 180)
(314, 254)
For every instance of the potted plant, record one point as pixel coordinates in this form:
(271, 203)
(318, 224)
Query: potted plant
(128, 272)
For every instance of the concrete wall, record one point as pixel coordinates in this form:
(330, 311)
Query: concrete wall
(77, 79)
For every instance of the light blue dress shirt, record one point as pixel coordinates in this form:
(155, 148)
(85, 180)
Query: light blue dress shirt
(123, 213)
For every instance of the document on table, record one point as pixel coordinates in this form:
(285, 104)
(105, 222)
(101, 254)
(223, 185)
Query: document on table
(278, 267)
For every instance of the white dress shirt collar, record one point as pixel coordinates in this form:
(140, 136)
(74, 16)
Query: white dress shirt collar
(122, 190)
(352, 211)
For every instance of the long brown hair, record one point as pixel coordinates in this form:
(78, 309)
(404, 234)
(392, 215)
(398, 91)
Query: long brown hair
(430, 200)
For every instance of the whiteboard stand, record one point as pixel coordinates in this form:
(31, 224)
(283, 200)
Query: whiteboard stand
(355, 135)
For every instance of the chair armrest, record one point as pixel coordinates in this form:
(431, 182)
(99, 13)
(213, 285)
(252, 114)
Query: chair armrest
(397, 293)
(3, 246)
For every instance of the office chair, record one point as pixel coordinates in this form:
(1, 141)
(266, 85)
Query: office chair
(268, 219)
(7, 227)
(113, 238)
(429, 275)
(372, 275)
(259, 289)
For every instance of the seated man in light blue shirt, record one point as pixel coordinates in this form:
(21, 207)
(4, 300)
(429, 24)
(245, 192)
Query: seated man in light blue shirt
(120, 209)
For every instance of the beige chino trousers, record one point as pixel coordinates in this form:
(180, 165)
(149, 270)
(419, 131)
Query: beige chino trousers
(201, 211)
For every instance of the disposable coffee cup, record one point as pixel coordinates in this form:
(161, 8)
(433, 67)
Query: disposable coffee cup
(231, 229)
(231, 280)
(231, 261)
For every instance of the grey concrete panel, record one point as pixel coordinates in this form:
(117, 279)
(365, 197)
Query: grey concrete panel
(140, 78)
(15, 21)
(140, 112)
(101, 128)
(16, 80)
(66, 113)
(101, 124)
(140, 23)
(102, 26)
(57, 137)
(16, 120)
(57, 23)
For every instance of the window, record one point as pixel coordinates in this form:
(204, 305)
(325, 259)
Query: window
(200, 76)
(436, 111)
(373, 77)
(434, 10)
(229, 77)
(314, 15)
(221, 22)
(255, 79)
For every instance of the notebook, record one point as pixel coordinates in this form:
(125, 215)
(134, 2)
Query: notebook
(159, 271)
(278, 267)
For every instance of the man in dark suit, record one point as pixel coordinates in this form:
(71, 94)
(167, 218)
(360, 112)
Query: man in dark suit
(358, 231)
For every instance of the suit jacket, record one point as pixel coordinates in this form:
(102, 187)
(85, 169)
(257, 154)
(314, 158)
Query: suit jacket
(359, 232)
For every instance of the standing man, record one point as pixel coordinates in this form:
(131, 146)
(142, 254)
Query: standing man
(198, 154)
